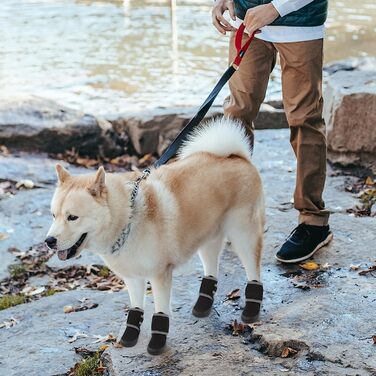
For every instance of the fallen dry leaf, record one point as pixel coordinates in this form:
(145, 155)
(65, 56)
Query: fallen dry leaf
(233, 295)
(36, 291)
(354, 267)
(374, 339)
(68, 309)
(118, 345)
(369, 181)
(370, 269)
(9, 323)
(85, 305)
(146, 160)
(237, 328)
(77, 336)
(3, 236)
(4, 151)
(100, 339)
(309, 265)
(25, 183)
(288, 352)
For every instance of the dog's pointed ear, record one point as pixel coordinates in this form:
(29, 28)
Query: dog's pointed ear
(62, 173)
(98, 188)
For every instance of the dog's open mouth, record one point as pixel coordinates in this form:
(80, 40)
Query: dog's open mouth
(71, 252)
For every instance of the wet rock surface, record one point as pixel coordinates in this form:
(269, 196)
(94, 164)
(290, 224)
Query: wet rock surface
(39, 124)
(42, 125)
(152, 132)
(349, 103)
(323, 330)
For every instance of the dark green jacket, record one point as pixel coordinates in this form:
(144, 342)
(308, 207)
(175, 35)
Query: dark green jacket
(313, 14)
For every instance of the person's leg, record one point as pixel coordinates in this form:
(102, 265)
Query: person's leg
(301, 65)
(248, 85)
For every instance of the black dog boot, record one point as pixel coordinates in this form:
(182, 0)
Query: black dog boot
(205, 299)
(159, 331)
(132, 331)
(253, 299)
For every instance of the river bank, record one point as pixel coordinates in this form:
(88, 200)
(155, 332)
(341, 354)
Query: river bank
(322, 316)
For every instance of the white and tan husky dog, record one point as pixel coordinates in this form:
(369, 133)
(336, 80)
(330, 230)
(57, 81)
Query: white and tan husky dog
(212, 193)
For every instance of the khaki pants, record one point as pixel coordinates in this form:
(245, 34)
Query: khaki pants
(301, 65)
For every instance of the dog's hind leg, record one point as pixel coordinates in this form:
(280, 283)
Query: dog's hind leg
(161, 285)
(209, 255)
(246, 235)
(136, 290)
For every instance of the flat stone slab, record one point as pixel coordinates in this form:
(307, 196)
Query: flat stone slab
(330, 327)
(38, 124)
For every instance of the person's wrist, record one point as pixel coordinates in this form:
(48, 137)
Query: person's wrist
(273, 9)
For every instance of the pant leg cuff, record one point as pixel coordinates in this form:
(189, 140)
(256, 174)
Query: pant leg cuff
(314, 220)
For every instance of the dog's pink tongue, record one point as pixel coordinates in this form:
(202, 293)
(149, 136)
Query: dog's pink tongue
(62, 255)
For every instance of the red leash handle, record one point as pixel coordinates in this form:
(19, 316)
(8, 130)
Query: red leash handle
(241, 50)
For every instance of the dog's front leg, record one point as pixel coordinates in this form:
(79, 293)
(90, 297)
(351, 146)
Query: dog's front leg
(136, 290)
(161, 286)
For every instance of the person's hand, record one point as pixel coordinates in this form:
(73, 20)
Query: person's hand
(259, 16)
(220, 7)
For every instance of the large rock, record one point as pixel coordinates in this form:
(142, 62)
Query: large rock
(151, 132)
(350, 114)
(38, 124)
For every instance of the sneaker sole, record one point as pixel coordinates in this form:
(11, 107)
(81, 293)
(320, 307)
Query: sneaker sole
(328, 239)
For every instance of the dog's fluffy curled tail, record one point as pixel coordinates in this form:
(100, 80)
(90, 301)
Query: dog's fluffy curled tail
(222, 137)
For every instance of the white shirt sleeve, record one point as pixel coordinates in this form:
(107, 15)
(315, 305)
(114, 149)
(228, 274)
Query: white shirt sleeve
(287, 6)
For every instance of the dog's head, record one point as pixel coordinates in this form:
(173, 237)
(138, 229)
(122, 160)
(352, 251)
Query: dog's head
(79, 209)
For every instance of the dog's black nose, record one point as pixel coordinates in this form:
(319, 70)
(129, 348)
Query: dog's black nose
(51, 242)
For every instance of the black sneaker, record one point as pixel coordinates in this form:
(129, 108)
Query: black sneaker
(303, 242)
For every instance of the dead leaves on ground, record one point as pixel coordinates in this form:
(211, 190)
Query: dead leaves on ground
(371, 270)
(90, 365)
(6, 324)
(11, 187)
(365, 190)
(309, 275)
(309, 265)
(238, 328)
(288, 352)
(109, 338)
(233, 295)
(120, 163)
(33, 263)
(84, 305)
(3, 236)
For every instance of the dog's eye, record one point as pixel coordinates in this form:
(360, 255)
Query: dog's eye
(72, 217)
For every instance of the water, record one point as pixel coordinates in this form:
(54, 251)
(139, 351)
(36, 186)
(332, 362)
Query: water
(113, 56)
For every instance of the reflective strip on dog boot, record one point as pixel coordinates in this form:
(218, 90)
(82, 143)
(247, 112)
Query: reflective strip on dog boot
(159, 330)
(205, 299)
(132, 331)
(253, 298)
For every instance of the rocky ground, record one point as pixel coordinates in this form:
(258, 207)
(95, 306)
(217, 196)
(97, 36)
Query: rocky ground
(314, 322)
